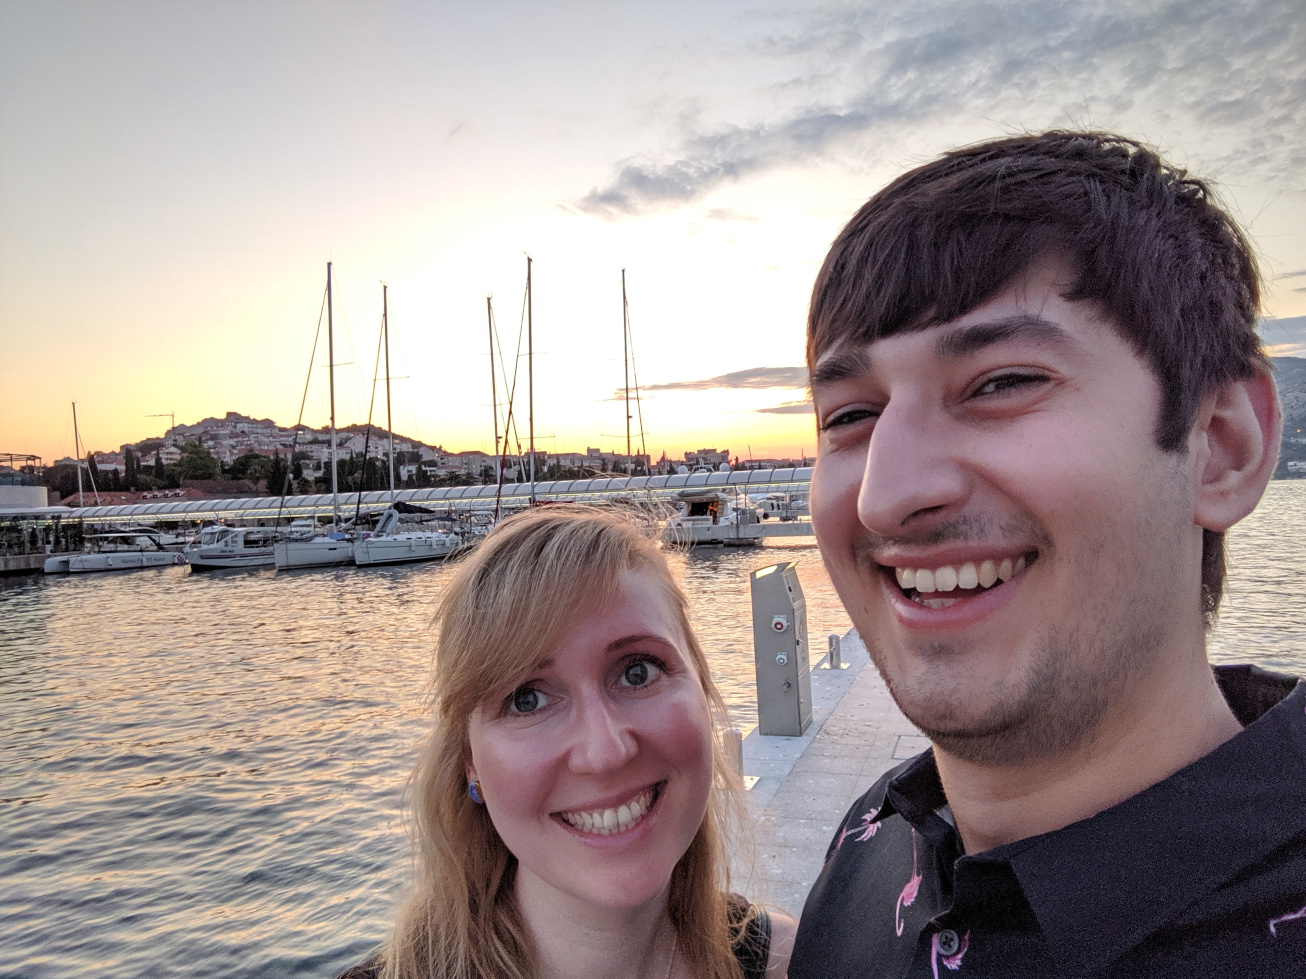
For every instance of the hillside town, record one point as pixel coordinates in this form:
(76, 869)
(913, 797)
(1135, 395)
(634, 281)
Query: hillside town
(236, 455)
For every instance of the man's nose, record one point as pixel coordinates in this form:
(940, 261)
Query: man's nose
(602, 736)
(913, 467)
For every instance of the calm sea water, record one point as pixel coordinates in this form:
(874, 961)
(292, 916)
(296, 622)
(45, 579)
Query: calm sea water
(202, 774)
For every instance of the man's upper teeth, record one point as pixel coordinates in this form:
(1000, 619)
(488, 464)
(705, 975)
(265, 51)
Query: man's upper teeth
(605, 822)
(946, 578)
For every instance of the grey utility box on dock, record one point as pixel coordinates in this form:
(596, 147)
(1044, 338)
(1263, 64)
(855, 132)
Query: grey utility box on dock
(784, 677)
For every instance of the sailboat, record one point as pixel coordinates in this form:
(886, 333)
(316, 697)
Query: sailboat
(336, 547)
(388, 544)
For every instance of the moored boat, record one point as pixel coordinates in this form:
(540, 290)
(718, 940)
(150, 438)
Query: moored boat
(119, 551)
(322, 551)
(713, 516)
(389, 545)
(220, 546)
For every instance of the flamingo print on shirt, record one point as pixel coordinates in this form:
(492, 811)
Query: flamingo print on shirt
(909, 890)
(868, 827)
(1297, 915)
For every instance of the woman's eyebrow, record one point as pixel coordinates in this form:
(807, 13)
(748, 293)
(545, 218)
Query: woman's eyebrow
(963, 341)
(625, 641)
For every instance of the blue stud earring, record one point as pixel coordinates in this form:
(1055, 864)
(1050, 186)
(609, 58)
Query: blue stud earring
(474, 790)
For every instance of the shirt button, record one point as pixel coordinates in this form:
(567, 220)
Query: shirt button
(948, 942)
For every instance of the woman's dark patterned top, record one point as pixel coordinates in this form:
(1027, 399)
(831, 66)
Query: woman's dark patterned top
(751, 938)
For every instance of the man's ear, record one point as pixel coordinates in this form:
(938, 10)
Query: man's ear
(1236, 438)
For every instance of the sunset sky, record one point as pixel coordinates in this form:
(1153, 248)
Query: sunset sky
(174, 177)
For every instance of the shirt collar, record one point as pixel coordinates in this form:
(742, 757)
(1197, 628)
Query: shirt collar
(1225, 811)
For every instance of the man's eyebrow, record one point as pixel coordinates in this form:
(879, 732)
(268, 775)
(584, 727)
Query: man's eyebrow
(841, 366)
(966, 340)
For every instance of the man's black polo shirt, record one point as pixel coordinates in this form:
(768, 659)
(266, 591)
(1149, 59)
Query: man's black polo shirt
(1202, 875)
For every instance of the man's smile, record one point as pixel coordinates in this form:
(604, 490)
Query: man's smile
(943, 585)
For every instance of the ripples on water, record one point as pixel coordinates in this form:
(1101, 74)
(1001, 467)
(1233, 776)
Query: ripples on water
(202, 773)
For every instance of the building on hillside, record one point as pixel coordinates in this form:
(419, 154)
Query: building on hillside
(104, 461)
(707, 457)
(469, 463)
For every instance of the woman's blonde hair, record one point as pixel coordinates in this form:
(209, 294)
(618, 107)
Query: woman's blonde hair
(505, 609)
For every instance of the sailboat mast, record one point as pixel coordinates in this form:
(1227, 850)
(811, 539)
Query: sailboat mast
(389, 424)
(530, 368)
(331, 373)
(494, 391)
(625, 361)
(77, 449)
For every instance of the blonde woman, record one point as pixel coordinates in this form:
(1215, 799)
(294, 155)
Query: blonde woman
(571, 804)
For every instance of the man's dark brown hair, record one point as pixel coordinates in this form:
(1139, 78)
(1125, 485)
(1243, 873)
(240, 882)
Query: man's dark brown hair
(1147, 242)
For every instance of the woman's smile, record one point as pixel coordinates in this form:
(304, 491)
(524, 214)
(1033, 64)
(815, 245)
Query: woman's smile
(614, 821)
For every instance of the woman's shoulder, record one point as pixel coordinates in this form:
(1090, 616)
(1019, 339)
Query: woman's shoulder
(762, 939)
(750, 935)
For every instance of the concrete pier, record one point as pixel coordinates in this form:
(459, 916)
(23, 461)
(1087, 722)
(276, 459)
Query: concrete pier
(806, 784)
(22, 563)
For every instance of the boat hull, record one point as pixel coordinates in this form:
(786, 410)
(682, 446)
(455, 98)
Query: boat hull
(124, 560)
(320, 552)
(57, 564)
(216, 558)
(402, 548)
(704, 533)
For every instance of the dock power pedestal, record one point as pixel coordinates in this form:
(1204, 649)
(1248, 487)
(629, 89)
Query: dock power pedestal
(784, 677)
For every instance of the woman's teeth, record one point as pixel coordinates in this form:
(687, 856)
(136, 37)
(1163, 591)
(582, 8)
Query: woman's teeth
(606, 822)
(947, 578)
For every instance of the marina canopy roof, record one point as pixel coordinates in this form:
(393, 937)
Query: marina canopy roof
(461, 498)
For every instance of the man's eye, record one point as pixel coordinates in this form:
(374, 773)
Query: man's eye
(1008, 382)
(850, 417)
(640, 674)
(526, 700)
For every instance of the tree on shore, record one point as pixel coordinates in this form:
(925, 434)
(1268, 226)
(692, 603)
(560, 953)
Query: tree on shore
(278, 476)
(197, 462)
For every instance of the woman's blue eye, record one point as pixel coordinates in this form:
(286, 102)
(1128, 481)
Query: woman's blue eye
(526, 700)
(639, 674)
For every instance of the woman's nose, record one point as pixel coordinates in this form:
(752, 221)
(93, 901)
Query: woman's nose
(602, 738)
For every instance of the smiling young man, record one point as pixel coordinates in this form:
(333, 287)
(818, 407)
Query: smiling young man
(1041, 402)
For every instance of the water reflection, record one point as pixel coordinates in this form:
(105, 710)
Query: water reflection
(203, 773)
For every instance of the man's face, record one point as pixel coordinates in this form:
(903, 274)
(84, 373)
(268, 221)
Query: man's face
(996, 516)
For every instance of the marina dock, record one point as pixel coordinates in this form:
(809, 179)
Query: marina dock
(805, 785)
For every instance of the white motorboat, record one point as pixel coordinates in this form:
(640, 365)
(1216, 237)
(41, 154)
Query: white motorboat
(713, 516)
(220, 546)
(119, 551)
(785, 506)
(389, 545)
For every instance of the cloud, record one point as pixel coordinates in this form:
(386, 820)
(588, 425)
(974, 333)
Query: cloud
(729, 214)
(755, 378)
(869, 74)
(789, 408)
(1291, 275)
(1278, 335)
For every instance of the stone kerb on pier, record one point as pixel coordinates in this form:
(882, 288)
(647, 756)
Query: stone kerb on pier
(805, 785)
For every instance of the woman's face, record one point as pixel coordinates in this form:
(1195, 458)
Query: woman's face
(596, 771)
